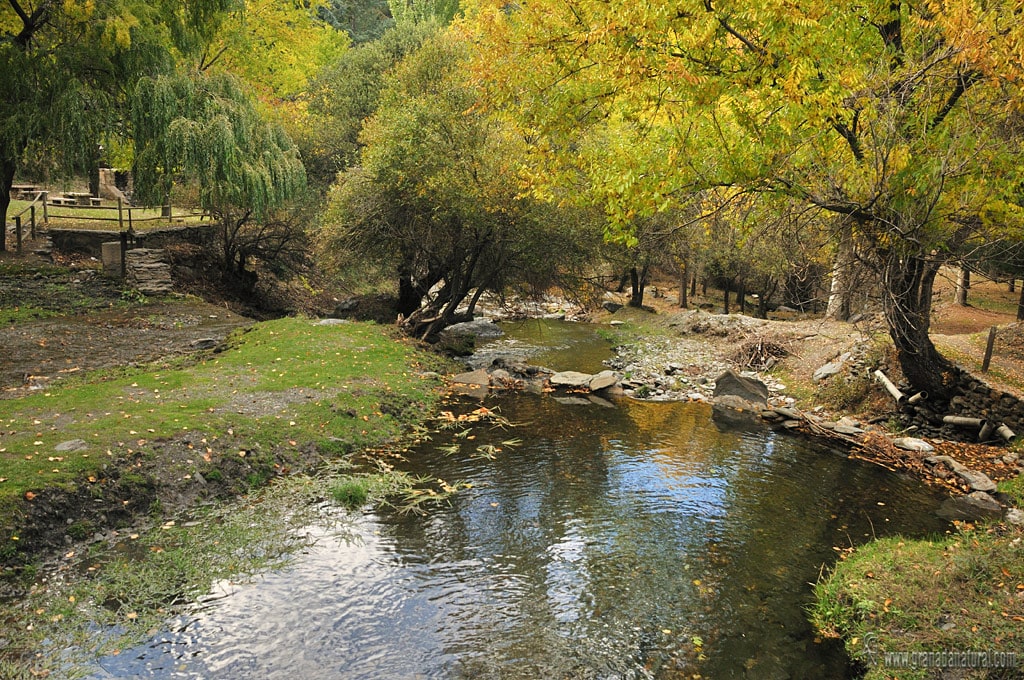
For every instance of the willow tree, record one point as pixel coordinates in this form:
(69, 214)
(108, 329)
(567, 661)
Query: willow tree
(65, 68)
(904, 118)
(205, 130)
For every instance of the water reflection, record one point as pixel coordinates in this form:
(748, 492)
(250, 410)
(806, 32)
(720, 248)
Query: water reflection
(641, 542)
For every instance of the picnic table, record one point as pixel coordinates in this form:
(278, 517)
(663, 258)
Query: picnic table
(24, 191)
(79, 197)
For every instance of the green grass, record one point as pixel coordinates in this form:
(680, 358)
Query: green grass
(961, 592)
(283, 387)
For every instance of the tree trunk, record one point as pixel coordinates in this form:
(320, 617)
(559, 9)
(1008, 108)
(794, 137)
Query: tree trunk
(6, 180)
(906, 301)
(839, 304)
(1020, 305)
(693, 284)
(728, 285)
(963, 284)
(741, 294)
(684, 282)
(1010, 287)
(637, 281)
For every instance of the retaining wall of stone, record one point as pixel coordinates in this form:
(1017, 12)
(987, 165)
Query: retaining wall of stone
(975, 399)
(90, 242)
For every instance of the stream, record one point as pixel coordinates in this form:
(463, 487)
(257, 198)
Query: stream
(641, 541)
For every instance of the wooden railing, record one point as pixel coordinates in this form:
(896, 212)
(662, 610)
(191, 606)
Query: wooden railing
(81, 202)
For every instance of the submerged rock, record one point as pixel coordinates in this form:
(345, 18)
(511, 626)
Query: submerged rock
(972, 507)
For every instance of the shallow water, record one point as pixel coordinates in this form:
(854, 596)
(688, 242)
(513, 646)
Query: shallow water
(636, 542)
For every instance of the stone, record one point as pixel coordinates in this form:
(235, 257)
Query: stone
(1011, 458)
(827, 371)
(480, 328)
(611, 306)
(203, 343)
(914, 444)
(848, 430)
(978, 481)
(573, 401)
(571, 379)
(147, 271)
(502, 379)
(71, 445)
(332, 322)
(847, 421)
(972, 507)
(477, 377)
(616, 322)
(602, 380)
(1015, 516)
(735, 391)
(945, 460)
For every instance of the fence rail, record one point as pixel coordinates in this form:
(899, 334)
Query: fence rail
(125, 218)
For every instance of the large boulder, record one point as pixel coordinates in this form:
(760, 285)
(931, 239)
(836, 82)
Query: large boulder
(479, 328)
(736, 397)
(751, 390)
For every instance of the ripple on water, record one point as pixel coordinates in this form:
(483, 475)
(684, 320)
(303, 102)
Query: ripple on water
(641, 542)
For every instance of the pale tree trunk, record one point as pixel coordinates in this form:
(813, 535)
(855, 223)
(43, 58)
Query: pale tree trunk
(839, 306)
(963, 284)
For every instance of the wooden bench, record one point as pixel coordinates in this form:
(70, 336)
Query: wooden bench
(62, 200)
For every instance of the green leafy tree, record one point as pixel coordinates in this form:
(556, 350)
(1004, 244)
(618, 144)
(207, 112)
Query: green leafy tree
(347, 93)
(204, 129)
(433, 202)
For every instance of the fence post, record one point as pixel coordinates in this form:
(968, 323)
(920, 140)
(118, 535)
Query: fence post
(120, 216)
(17, 231)
(32, 219)
(46, 215)
(988, 349)
(124, 255)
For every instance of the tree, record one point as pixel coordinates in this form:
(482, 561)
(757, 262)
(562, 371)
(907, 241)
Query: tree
(433, 202)
(205, 129)
(346, 93)
(66, 68)
(904, 119)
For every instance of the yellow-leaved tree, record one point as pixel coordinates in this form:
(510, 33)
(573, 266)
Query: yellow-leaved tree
(902, 118)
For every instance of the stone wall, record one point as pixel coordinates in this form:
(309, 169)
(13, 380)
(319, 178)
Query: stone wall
(90, 241)
(975, 399)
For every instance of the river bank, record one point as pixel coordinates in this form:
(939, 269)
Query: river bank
(890, 599)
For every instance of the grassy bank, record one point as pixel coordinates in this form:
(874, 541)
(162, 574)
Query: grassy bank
(284, 395)
(127, 502)
(964, 593)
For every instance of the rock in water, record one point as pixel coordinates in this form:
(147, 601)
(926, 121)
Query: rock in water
(571, 379)
(750, 390)
(480, 328)
(602, 380)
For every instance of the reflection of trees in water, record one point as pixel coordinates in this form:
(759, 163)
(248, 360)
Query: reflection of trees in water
(606, 528)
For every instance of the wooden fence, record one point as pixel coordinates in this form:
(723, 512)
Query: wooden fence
(125, 215)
